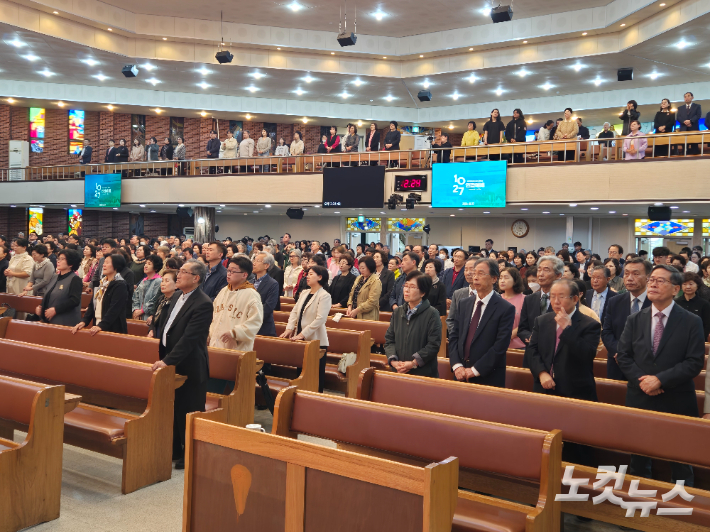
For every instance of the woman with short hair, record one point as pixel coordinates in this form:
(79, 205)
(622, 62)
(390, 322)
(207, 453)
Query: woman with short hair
(629, 115)
(107, 309)
(567, 130)
(364, 300)
(146, 295)
(437, 293)
(689, 299)
(41, 273)
(342, 283)
(292, 272)
(61, 304)
(616, 280)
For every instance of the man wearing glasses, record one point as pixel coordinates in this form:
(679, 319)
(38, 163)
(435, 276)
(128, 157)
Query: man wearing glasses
(661, 351)
(183, 344)
(619, 308)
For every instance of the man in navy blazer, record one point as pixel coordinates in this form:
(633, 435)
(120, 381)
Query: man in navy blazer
(268, 289)
(661, 351)
(549, 269)
(689, 117)
(482, 331)
(85, 153)
(454, 278)
(600, 289)
(618, 309)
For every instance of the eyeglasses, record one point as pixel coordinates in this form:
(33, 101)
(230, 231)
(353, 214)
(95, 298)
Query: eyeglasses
(476, 275)
(233, 272)
(185, 272)
(659, 281)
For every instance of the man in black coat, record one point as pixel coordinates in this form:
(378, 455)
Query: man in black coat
(213, 146)
(661, 351)
(183, 344)
(688, 115)
(563, 346)
(268, 289)
(599, 296)
(85, 153)
(482, 331)
(620, 308)
(111, 152)
(549, 269)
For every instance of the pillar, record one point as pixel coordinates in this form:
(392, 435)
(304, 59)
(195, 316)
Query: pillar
(204, 224)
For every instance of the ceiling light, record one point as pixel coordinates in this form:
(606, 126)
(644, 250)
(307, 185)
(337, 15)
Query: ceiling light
(358, 82)
(584, 34)
(547, 86)
(203, 85)
(115, 208)
(451, 126)
(57, 13)
(16, 43)
(470, 49)
(181, 205)
(10, 100)
(525, 42)
(455, 96)
(663, 5)
(31, 57)
(674, 110)
(524, 209)
(344, 95)
(597, 82)
(389, 98)
(109, 107)
(572, 204)
(248, 117)
(522, 72)
(61, 104)
(222, 205)
(612, 212)
(149, 67)
(153, 81)
(308, 79)
(623, 25)
(158, 110)
(379, 15)
(578, 66)
(359, 123)
(529, 120)
(426, 84)
(305, 120)
(142, 206)
(674, 206)
(203, 113)
(299, 92)
(472, 79)
(486, 11)
(46, 73)
(73, 206)
(421, 55)
(658, 204)
(499, 92)
(257, 75)
(90, 62)
(654, 75)
(684, 212)
(278, 48)
(562, 214)
(594, 208)
(332, 53)
(452, 215)
(545, 212)
(295, 6)
(101, 77)
(486, 212)
(109, 29)
(252, 88)
(624, 214)
(204, 71)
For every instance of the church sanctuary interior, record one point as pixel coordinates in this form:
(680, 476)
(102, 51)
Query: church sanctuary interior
(354, 265)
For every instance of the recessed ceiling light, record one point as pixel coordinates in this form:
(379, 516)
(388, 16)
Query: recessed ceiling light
(305, 120)
(612, 212)
(421, 55)
(452, 215)
(389, 98)
(525, 42)
(181, 205)
(545, 212)
(624, 214)
(152, 211)
(90, 62)
(31, 57)
(472, 78)
(73, 206)
(597, 82)
(658, 204)
(165, 38)
(278, 48)
(344, 95)
(153, 81)
(572, 204)
(486, 212)
(142, 206)
(379, 15)
(10, 100)
(204, 71)
(623, 25)
(455, 96)
(459, 209)
(57, 13)
(46, 73)
(451, 126)
(252, 88)
(499, 92)
(248, 117)
(332, 53)
(522, 72)
(547, 86)
(203, 85)
(109, 29)
(203, 113)
(17, 43)
(663, 5)
(308, 79)
(115, 208)
(357, 82)
(654, 75)
(562, 214)
(684, 212)
(257, 75)
(524, 209)
(594, 208)
(109, 107)
(426, 84)
(299, 92)
(149, 67)
(384, 57)
(295, 6)
(584, 34)
(485, 11)
(101, 77)
(578, 66)
(674, 206)
(158, 110)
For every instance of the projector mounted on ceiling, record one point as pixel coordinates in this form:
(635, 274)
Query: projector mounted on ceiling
(346, 38)
(130, 71)
(223, 56)
(502, 14)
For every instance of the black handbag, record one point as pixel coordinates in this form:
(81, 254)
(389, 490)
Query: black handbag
(6, 311)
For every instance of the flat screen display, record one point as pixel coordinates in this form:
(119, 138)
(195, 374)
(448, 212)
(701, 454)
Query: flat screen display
(474, 184)
(102, 190)
(76, 220)
(354, 187)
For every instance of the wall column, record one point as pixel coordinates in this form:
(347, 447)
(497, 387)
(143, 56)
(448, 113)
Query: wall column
(569, 237)
(204, 224)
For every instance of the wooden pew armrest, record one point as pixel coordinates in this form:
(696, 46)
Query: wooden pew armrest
(9, 443)
(71, 401)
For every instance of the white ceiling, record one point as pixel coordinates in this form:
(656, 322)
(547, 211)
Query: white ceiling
(401, 18)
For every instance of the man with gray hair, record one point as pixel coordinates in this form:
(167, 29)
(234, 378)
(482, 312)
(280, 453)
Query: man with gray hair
(183, 343)
(600, 293)
(268, 289)
(549, 269)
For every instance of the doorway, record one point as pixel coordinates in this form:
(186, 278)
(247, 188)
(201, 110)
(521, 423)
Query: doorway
(355, 238)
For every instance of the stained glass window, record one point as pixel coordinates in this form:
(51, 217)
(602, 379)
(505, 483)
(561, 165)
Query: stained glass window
(367, 225)
(407, 225)
(678, 227)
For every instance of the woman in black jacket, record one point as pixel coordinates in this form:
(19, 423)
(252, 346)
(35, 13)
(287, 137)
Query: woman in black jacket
(664, 122)
(437, 294)
(122, 152)
(515, 132)
(629, 115)
(108, 306)
(386, 279)
(61, 304)
(342, 284)
(392, 139)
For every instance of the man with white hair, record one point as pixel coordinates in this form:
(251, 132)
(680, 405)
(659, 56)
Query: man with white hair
(268, 289)
(606, 133)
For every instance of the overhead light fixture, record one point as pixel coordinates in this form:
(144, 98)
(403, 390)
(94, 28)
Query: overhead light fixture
(674, 206)
(359, 123)
(31, 57)
(90, 62)
(684, 212)
(101, 77)
(524, 209)
(109, 29)
(17, 43)
(153, 81)
(149, 67)
(472, 78)
(562, 214)
(248, 116)
(572, 204)
(203, 113)
(594, 208)
(499, 92)
(654, 75)
(379, 15)
(299, 92)
(252, 88)
(278, 48)
(578, 66)
(420, 55)
(530, 120)
(204, 71)
(547, 86)
(109, 107)
(308, 79)
(389, 98)
(525, 42)
(584, 34)
(485, 11)
(295, 6)
(46, 73)
(257, 75)
(663, 5)
(470, 49)
(305, 120)
(142, 206)
(332, 53)
(426, 84)
(545, 212)
(344, 95)
(10, 100)
(612, 212)
(267, 206)
(659, 204)
(60, 104)
(597, 82)
(357, 82)
(486, 212)
(385, 57)
(451, 126)
(623, 25)
(165, 38)
(57, 13)
(158, 110)
(204, 85)
(522, 72)
(455, 96)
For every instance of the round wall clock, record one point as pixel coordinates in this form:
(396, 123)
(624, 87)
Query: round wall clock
(520, 228)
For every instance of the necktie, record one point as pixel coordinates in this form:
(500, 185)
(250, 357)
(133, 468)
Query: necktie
(635, 306)
(543, 303)
(658, 332)
(557, 343)
(472, 328)
(595, 303)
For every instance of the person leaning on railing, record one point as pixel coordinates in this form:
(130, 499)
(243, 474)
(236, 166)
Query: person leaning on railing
(392, 139)
(664, 122)
(567, 130)
(516, 131)
(470, 138)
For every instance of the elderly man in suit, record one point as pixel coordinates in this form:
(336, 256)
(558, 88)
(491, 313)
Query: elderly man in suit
(688, 115)
(462, 293)
(563, 346)
(183, 344)
(661, 351)
(482, 331)
(452, 278)
(268, 289)
(549, 269)
(618, 310)
(600, 294)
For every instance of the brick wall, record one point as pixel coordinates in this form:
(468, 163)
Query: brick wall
(285, 131)
(155, 224)
(55, 221)
(13, 221)
(4, 135)
(158, 127)
(311, 138)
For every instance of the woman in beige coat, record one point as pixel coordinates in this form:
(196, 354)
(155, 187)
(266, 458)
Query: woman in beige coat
(229, 147)
(364, 300)
(567, 130)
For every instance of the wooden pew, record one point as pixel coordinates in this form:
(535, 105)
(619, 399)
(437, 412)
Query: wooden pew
(143, 441)
(287, 300)
(341, 342)
(31, 471)
(377, 328)
(620, 429)
(239, 479)
(29, 303)
(287, 358)
(226, 364)
(489, 454)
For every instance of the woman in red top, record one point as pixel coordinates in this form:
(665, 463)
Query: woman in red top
(332, 144)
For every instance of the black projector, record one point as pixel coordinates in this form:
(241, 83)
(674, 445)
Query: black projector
(224, 57)
(130, 71)
(424, 96)
(502, 14)
(295, 214)
(347, 39)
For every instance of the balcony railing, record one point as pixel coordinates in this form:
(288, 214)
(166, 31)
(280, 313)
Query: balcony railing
(524, 153)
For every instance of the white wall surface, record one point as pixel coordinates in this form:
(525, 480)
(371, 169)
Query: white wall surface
(323, 228)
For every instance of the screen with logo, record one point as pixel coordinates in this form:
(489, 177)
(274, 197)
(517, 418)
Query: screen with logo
(474, 184)
(102, 190)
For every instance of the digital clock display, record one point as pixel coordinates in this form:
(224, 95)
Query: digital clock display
(410, 183)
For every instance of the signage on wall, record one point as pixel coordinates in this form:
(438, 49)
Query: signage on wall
(411, 183)
(37, 116)
(76, 131)
(102, 190)
(474, 184)
(36, 221)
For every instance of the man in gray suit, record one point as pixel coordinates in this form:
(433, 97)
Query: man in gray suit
(461, 293)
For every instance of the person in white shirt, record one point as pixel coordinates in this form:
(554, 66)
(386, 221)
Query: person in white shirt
(246, 147)
(544, 133)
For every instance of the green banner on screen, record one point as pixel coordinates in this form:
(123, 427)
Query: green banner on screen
(102, 190)
(479, 184)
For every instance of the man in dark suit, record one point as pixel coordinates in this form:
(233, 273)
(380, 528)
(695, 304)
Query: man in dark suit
(277, 274)
(111, 152)
(454, 278)
(268, 289)
(216, 278)
(600, 294)
(583, 131)
(85, 153)
(689, 117)
(563, 346)
(482, 331)
(183, 344)
(620, 308)
(661, 351)
(549, 269)
(213, 146)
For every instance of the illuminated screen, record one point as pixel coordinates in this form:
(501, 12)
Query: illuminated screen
(75, 222)
(102, 190)
(36, 222)
(76, 131)
(475, 184)
(675, 227)
(37, 129)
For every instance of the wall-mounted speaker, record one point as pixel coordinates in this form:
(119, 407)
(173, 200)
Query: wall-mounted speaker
(424, 96)
(295, 214)
(659, 214)
(625, 74)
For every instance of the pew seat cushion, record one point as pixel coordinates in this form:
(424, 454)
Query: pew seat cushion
(473, 515)
(333, 375)
(92, 425)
